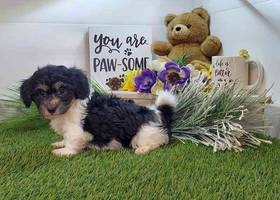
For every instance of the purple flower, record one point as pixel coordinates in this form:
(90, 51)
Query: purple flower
(145, 81)
(173, 74)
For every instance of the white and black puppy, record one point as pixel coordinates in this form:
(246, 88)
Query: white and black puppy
(101, 121)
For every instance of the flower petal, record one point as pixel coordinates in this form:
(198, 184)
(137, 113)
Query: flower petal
(148, 72)
(172, 65)
(148, 81)
(138, 79)
(145, 89)
(180, 82)
(187, 72)
(162, 75)
(155, 65)
(145, 80)
(158, 86)
(167, 86)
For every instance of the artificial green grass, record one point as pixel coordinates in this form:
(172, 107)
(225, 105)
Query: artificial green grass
(28, 170)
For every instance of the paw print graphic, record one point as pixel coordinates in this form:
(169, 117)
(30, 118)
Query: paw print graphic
(115, 83)
(128, 52)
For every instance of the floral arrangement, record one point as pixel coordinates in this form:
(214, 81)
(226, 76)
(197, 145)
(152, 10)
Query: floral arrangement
(163, 74)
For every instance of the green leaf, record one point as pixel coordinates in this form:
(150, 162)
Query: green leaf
(184, 59)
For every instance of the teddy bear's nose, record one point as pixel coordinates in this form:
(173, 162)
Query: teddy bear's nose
(178, 28)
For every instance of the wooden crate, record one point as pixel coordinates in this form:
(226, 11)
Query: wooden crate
(143, 99)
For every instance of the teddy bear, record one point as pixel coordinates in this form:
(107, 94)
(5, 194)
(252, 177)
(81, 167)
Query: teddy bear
(189, 33)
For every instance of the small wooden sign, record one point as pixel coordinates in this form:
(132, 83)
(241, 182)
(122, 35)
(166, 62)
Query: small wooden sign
(116, 49)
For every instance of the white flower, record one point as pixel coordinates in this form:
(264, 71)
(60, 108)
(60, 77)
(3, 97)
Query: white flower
(156, 65)
(196, 75)
(191, 67)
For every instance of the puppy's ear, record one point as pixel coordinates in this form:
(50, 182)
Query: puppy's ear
(25, 93)
(80, 81)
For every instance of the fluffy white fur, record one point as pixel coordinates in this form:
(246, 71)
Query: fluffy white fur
(152, 136)
(149, 137)
(166, 98)
(70, 127)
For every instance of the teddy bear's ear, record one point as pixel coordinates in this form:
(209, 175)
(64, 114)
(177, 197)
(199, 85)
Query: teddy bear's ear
(168, 19)
(202, 13)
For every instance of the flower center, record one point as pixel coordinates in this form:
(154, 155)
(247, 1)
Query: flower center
(173, 77)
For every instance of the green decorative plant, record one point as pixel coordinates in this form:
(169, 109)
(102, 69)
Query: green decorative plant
(11, 105)
(225, 118)
(184, 59)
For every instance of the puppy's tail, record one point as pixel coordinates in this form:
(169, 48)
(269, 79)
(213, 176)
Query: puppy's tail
(166, 103)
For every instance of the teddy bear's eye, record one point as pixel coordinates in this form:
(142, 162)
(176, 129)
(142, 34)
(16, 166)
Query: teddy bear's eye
(189, 25)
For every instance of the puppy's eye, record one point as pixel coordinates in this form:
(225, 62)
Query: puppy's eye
(189, 25)
(61, 91)
(42, 93)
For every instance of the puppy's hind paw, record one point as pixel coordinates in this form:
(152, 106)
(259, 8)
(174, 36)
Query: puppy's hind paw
(59, 144)
(142, 150)
(145, 149)
(64, 152)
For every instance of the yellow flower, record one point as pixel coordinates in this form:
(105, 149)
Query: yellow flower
(206, 72)
(210, 72)
(244, 53)
(128, 84)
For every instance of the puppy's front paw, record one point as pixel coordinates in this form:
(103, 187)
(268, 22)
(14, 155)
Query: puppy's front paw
(64, 152)
(59, 144)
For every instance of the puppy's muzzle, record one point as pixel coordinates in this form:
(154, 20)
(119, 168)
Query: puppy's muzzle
(51, 105)
(51, 110)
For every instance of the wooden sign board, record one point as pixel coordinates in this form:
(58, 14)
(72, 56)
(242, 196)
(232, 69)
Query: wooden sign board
(116, 49)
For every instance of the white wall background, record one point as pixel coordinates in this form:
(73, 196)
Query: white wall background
(36, 32)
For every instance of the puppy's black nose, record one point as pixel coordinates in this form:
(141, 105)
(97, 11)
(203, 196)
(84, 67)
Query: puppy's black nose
(178, 28)
(51, 110)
